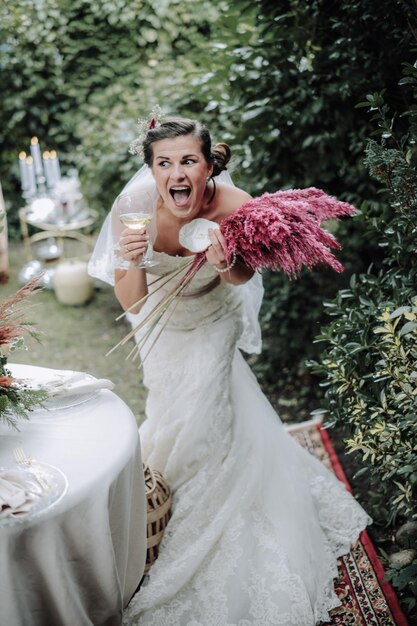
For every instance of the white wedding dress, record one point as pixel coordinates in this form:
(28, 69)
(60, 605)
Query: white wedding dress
(257, 523)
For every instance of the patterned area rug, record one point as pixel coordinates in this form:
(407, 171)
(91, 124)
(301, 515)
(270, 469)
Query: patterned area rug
(367, 600)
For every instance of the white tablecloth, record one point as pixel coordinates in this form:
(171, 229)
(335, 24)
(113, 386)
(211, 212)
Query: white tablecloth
(81, 562)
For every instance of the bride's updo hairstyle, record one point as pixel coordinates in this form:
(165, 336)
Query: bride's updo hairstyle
(218, 155)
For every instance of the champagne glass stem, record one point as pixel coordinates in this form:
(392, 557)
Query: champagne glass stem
(148, 256)
(147, 259)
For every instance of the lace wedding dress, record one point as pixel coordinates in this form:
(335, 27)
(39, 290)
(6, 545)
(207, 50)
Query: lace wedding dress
(257, 522)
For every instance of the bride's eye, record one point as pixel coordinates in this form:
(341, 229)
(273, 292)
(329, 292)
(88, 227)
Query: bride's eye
(189, 161)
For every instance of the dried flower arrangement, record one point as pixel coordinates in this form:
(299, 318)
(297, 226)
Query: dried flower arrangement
(16, 399)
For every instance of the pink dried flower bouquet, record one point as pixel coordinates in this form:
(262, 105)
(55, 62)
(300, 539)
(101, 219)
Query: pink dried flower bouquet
(283, 230)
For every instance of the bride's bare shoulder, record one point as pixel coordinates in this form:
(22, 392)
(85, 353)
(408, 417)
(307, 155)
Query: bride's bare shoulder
(231, 198)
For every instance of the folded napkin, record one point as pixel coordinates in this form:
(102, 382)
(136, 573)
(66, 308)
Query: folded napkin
(74, 383)
(17, 495)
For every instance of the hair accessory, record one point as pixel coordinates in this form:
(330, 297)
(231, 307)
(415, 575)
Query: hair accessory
(229, 267)
(154, 120)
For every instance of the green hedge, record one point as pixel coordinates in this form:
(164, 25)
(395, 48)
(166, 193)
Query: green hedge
(369, 349)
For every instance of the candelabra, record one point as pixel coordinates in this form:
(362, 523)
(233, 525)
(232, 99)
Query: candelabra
(39, 173)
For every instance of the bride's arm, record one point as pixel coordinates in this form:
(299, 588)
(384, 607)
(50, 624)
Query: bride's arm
(130, 286)
(232, 199)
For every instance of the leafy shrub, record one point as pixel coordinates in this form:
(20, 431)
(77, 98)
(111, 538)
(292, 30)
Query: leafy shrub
(369, 360)
(370, 365)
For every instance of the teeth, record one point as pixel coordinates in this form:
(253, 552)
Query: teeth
(180, 188)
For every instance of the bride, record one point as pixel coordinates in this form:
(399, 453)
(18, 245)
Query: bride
(257, 522)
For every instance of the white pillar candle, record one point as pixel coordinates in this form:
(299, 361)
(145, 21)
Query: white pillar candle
(55, 165)
(24, 175)
(31, 176)
(72, 283)
(36, 155)
(47, 165)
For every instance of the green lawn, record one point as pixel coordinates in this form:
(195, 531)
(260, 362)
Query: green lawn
(78, 338)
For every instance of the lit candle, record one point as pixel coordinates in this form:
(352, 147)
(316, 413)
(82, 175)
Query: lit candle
(55, 165)
(36, 155)
(24, 175)
(31, 176)
(72, 283)
(50, 179)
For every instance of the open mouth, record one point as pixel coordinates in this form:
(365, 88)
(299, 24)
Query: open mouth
(180, 194)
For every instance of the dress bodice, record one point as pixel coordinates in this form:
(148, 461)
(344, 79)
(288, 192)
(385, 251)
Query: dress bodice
(205, 300)
(168, 263)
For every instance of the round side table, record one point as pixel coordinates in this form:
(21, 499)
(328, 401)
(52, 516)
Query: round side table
(70, 228)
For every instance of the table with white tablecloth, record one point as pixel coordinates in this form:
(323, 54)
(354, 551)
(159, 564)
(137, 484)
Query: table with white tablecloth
(79, 562)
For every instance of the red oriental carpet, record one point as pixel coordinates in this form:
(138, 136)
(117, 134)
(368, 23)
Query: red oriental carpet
(367, 600)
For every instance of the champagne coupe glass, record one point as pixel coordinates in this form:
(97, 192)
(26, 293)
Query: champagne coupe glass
(136, 210)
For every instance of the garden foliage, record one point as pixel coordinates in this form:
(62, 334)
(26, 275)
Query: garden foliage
(369, 358)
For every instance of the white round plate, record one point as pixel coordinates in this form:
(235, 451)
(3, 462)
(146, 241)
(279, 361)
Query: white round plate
(194, 235)
(56, 403)
(66, 402)
(44, 499)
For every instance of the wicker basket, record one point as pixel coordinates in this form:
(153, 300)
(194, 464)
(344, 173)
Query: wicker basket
(158, 505)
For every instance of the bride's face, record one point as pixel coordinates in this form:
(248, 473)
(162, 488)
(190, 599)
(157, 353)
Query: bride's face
(180, 172)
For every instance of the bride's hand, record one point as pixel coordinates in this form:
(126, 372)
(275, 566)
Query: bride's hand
(215, 253)
(133, 244)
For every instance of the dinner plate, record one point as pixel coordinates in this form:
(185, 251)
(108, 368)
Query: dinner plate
(38, 477)
(194, 235)
(67, 401)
